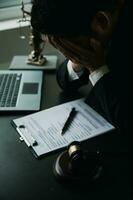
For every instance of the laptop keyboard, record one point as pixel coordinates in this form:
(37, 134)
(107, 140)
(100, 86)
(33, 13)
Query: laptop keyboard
(9, 88)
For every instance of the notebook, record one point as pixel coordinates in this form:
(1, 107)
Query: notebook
(20, 90)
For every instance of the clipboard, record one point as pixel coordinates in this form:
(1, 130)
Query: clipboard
(41, 131)
(29, 141)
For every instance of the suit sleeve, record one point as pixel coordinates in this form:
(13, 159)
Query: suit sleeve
(63, 78)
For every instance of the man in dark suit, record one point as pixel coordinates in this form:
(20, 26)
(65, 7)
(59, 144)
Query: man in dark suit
(94, 35)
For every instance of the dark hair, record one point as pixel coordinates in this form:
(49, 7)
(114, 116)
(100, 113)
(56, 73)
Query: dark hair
(67, 17)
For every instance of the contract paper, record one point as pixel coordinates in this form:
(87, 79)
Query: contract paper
(45, 126)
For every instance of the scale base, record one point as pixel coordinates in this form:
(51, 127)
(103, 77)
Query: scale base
(19, 62)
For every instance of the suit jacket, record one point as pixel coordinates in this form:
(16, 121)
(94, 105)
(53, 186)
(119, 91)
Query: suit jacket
(110, 98)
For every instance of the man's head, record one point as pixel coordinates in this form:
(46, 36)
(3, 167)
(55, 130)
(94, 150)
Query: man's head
(68, 17)
(80, 29)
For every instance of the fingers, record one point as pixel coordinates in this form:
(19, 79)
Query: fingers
(83, 51)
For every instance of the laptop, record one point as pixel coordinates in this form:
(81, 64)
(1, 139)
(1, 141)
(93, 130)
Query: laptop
(20, 90)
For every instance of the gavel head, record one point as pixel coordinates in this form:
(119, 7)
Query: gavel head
(76, 157)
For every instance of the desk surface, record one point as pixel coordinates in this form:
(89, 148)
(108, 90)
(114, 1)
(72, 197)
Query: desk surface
(22, 176)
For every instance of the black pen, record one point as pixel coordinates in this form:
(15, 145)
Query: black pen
(68, 121)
